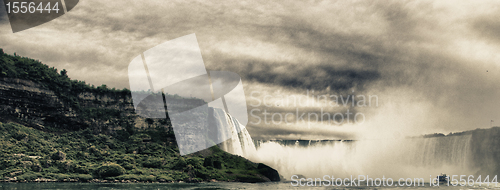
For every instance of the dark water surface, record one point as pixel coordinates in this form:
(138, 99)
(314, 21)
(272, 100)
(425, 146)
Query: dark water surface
(201, 186)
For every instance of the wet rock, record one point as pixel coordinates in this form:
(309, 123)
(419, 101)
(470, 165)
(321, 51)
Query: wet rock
(269, 172)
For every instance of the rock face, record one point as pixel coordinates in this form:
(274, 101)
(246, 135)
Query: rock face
(269, 172)
(32, 104)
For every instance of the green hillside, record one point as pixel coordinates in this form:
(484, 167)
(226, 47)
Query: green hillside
(100, 143)
(15, 66)
(28, 154)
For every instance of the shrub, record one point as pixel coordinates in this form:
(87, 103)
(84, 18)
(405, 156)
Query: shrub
(19, 135)
(149, 178)
(84, 177)
(110, 170)
(153, 163)
(195, 162)
(164, 178)
(62, 177)
(59, 155)
(129, 166)
(129, 177)
(30, 176)
(20, 178)
(180, 164)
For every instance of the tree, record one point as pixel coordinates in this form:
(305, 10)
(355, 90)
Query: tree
(64, 73)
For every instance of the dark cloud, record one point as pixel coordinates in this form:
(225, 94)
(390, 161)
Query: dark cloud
(294, 46)
(488, 27)
(318, 77)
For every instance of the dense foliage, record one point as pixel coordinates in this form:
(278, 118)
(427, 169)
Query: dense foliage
(86, 154)
(14, 66)
(28, 154)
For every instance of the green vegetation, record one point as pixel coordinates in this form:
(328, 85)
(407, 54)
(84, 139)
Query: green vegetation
(29, 69)
(68, 91)
(29, 154)
(102, 142)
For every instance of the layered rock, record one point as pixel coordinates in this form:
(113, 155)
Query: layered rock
(33, 104)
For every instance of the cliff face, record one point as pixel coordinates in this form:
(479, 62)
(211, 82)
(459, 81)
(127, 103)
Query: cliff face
(32, 104)
(25, 100)
(485, 149)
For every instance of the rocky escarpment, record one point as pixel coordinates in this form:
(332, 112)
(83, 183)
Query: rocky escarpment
(29, 102)
(33, 104)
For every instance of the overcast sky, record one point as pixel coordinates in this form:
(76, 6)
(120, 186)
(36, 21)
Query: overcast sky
(434, 65)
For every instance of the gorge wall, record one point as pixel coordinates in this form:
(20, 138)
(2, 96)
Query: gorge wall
(32, 104)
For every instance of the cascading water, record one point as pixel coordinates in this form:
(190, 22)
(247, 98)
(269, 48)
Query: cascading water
(238, 141)
(438, 151)
(464, 154)
(415, 157)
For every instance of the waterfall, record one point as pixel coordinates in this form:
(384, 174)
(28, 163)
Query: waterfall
(467, 153)
(233, 135)
(395, 158)
(438, 151)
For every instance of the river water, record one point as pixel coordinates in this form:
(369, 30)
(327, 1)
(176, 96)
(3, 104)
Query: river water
(212, 185)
